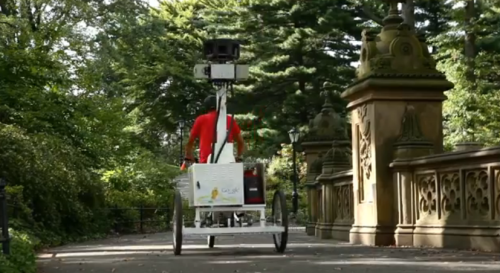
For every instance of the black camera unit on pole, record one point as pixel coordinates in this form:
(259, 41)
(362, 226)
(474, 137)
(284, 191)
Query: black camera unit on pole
(221, 66)
(221, 50)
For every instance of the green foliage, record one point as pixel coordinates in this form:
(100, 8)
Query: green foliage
(471, 110)
(294, 48)
(76, 136)
(23, 258)
(280, 177)
(91, 93)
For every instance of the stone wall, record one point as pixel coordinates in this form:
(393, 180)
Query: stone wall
(399, 187)
(449, 200)
(343, 206)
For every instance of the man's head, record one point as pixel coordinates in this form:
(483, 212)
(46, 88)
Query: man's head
(210, 103)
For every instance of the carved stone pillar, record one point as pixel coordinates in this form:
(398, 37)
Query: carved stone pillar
(395, 70)
(318, 141)
(337, 159)
(411, 143)
(312, 195)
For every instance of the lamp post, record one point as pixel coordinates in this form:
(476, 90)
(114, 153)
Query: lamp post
(294, 138)
(181, 154)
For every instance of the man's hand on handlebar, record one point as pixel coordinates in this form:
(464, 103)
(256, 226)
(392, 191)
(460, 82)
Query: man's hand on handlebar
(190, 161)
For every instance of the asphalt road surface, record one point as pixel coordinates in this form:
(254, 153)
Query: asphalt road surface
(254, 254)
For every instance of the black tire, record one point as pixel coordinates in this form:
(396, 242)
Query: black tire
(280, 218)
(211, 241)
(177, 224)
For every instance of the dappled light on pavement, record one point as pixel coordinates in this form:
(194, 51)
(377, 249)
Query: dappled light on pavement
(254, 253)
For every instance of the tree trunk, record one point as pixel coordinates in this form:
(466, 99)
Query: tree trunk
(470, 38)
(409, 13)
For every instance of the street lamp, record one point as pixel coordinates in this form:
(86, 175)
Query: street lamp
(294, 138)
(181, 154)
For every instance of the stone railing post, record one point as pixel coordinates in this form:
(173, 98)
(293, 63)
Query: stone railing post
(318, 141)
(396, 71)
(410, 144)
(337, 159)
(312, 193)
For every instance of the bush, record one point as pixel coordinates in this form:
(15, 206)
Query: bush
(57, 195)
(51, 183)
(22, 258)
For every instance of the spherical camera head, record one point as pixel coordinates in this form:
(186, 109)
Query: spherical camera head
(221, 50)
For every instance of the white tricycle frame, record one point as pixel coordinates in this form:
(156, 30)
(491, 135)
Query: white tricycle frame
(212, 228)
(219, 188)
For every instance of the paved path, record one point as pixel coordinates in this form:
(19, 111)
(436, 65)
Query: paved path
(254, 254)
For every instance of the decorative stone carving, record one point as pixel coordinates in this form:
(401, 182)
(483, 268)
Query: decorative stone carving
(411, 141)
(410, 127)
(320, 205)
(450, 194)
(427, 195)
(364, 143)
(317, 164)
(478, 197)
(327, 125)
(497, 202)
(397, 51)
(344, 202)
(339, 156)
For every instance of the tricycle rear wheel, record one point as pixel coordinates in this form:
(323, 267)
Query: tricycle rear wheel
(280, 218)
(177, 224)
(211, 241)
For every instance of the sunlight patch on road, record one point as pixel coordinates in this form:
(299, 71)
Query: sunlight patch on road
(91, 254)
(457, 266)
(229, 262)
(136, 249)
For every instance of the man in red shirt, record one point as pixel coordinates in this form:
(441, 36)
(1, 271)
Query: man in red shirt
(203, 129)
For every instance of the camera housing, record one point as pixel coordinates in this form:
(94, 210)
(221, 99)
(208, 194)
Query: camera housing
(221, 50)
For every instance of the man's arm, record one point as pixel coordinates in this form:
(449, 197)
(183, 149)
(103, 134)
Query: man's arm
(238, 138)
(240, 142)
(195, 133)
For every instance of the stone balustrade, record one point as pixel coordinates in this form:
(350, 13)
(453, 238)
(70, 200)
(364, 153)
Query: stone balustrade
(449, 200)
(391, 182)
(336, 212)
(343, 205)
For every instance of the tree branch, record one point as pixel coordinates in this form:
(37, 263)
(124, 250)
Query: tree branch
(31, 17)
(366, 13)
(7, 23)
(3, 6)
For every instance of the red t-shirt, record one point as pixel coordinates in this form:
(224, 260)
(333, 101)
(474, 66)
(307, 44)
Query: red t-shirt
(203, 129)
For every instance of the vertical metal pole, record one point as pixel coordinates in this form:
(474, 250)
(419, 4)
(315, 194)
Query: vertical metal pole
(115, 213)
(295, 195)
(141, 217)
(5, 219)
(222, 120)
(181, 155)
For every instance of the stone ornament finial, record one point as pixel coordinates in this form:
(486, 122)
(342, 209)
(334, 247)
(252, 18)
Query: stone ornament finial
(393, 18)
(340, 153)
(317, 164)
(396, 52)
(327, 124)
(327, 106)
(339, 157)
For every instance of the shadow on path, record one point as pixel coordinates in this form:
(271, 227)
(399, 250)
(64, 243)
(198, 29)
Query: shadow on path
(254, 253)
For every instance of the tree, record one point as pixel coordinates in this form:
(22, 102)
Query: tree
(469, 58)
(293, 54)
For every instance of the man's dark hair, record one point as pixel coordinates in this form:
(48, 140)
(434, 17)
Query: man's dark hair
(210, 103)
